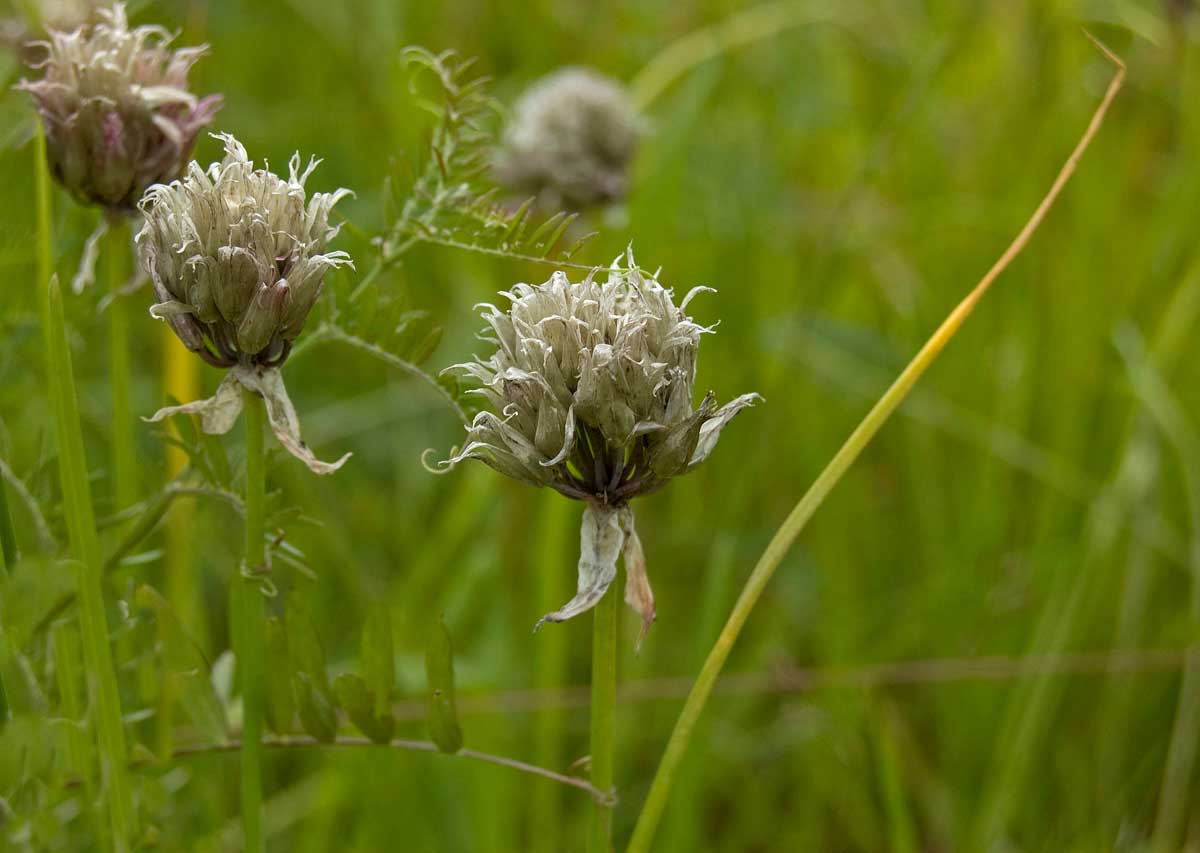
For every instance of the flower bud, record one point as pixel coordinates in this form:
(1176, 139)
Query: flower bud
(116, 108)
(237, 256)
(571, 140)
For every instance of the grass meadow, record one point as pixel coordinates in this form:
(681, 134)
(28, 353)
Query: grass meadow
(984, 639)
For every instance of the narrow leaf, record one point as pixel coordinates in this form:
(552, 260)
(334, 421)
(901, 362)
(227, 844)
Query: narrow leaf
(516, 225)
(439, 671)
(547, 227)
(356, 699)
(318, 715)
(379, 663)
(281, 705)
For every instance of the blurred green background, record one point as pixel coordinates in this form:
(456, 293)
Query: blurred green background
(841, 185)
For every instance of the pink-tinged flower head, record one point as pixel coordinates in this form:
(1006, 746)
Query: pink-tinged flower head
(116, 108)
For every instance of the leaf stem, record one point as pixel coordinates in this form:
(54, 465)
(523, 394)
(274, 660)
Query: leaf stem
(604, 712)
(787, 533)
(252, 614)
(604, 800)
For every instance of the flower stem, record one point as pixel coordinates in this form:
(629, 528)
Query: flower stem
(8, 536)
(123, 460)
(545, 801)
(252, 614)
(604, 711)
(93, 622)
(787, 533)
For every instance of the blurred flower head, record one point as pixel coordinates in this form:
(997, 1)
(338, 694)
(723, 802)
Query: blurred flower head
(19, 31)
(116, 108)
(571, 139)
(237, 256)
(590, 390)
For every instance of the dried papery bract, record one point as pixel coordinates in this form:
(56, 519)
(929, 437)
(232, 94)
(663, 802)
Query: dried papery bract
(237, 256)
(571, 140)
(116, 107)
(591, 394)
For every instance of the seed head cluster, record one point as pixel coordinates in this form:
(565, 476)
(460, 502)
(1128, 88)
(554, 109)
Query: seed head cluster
(116, 108)
(237, 256)
(571, 139)
(591, 388)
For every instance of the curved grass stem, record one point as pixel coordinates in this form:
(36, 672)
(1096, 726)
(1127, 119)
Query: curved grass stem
(742, 28)
(792, 526)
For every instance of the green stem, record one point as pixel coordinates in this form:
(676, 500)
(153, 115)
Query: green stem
(785, 536)
(93, 622)
(123, 460)
(45, 239)
(250, 655)
(8, 536)
(545, 801)
(604, 712)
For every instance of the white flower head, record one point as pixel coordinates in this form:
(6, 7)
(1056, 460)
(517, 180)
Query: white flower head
(238, 256)
(572, 139)
(591, 393)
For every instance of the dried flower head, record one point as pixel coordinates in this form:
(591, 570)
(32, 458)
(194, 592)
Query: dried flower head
(237, 256)
(591, 393)
(571, 139)
(116, 108)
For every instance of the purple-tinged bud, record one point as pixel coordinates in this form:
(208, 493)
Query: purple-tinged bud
(116, 109)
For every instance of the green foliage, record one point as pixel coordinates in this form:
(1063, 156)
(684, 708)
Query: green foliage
(839, 185)
(448, 199)
(315, 701)
(280, 702)
(439, 675)
(187, 672)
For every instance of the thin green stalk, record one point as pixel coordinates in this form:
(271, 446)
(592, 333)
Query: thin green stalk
(123, 461)
(787, 533)
(545, 803)
(93, 622)
(8, 536)
(604, 713)
(41, 179)
(251, 653)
